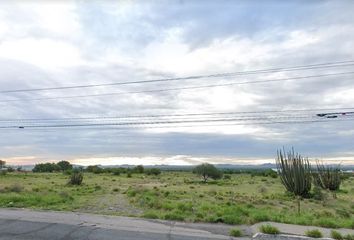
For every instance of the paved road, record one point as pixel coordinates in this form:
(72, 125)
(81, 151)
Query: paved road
(37, 225)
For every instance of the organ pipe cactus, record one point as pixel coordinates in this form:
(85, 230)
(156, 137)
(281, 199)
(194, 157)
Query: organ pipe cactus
(328, 177)
(295, 173)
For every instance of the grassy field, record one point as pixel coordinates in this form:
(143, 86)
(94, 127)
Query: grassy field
(242, 199)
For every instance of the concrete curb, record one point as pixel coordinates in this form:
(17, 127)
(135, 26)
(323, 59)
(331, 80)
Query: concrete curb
(263, 236)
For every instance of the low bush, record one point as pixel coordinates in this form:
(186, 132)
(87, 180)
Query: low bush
(16, 188)
(227, 176)
(269, 229)
(235, 232)
(232, 219)
(68, 172)
(326, 222)
(76, 178)
(175, 215)
(153, 171)
(349, 237)
(263, 190)
(336, 235)
(317, 193)
(315, 233)
(260, 217)
(150, 215)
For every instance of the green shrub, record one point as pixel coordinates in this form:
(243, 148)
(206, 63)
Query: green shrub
(76, 178)
(315, 233)
(227, 176)
(336, 235)
(317, 193)
(153, 171)
(343, 213)
(349, 237)
(138, 169)
(232, 219)
(174, 216)
(116, 172)
(263, 190)
(260, 217)
(68, 172)
(150, 215)
(15, 188)
(235, 232)
(269, 229)
(328, 223)
(65, 196)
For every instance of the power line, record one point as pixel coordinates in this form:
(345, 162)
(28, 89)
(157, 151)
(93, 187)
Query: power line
(46, 129)
(242, 113)
(183, 126)
(180, 88)
(159, 122)
(229, 74)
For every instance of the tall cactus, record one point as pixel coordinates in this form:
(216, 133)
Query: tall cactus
(295, 173)
(328, 177)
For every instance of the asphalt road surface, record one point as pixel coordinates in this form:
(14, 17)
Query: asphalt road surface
(38, 225)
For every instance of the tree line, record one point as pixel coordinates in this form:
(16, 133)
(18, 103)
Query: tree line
(53, 167)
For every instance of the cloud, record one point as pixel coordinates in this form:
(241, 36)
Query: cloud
(77, 43)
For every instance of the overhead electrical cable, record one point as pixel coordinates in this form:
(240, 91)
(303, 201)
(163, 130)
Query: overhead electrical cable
(179, 88)
(229, 74)
(159, 122)
(314, 111)
(182, 126)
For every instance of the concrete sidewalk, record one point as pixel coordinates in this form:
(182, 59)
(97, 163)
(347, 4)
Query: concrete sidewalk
(299, 230)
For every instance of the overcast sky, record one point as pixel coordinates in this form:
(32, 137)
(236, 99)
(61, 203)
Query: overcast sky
(67, 43)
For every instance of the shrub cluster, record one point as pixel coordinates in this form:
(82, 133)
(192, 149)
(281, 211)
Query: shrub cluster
(338, 236)
(315, 233)
(269, 229)
(129, 171)
(254, 172)
(153, 171)
(52, 167)
(235, 232)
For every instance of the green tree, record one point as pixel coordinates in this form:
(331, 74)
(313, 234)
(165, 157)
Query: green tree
(65, 165)
(295, 173)
(207, 171)
(138, 169)
(94, 169)
(46, 167)
(153, 171)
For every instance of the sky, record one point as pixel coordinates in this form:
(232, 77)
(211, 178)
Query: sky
(69, 43)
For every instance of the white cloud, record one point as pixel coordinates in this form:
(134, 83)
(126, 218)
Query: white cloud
(44, 53)
(300, 38)
(173, 55)
(344, 97)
